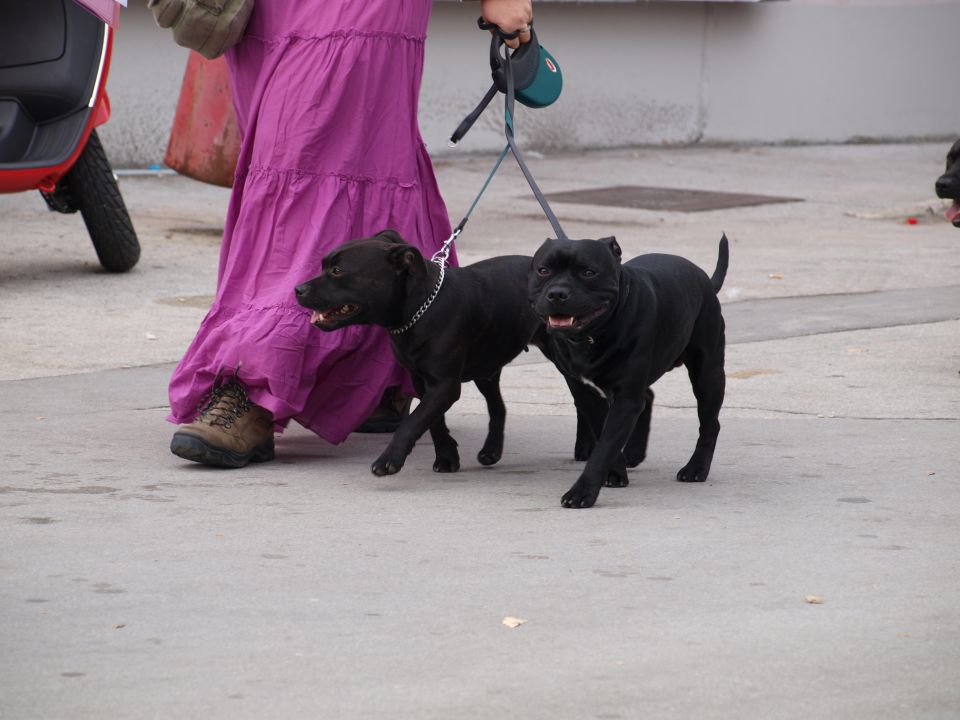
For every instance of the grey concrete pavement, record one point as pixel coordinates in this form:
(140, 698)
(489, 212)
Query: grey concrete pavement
(136, 586)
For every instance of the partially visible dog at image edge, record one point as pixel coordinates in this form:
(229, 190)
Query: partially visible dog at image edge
(612, 331)
(948, 185)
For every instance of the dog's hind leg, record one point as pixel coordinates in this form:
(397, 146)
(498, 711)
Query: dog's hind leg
(705, 368)
(635, 451)
(447, 458)
(492, 449)
(445, 447)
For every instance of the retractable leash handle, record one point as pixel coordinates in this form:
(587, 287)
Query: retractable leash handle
(536, 75)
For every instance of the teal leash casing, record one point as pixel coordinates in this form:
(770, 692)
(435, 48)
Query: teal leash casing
(538, 79)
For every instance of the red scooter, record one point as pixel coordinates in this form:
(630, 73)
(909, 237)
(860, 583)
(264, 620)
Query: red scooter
(54, 58)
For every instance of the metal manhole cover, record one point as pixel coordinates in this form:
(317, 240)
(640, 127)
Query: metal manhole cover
(668, 199)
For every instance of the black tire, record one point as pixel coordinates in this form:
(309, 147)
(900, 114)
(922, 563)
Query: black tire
(94, 188)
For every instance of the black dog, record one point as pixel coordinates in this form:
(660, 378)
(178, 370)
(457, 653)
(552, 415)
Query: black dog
(613, 331)
(478, 320)
(948, 184)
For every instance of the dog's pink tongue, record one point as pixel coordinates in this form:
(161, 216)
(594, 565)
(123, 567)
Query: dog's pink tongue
(316, 317)
(953, 212)
(560, 321)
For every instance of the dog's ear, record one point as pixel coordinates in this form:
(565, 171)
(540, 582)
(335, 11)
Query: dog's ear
(611, 242)
(544, 247)
(404, 257)
(390, 236)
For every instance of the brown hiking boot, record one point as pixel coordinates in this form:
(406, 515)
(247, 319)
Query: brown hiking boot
(229, 432)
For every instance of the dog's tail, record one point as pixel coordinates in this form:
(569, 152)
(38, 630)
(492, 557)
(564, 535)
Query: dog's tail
(721, 272)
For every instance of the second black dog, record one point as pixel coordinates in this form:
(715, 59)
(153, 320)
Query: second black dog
(613, 330)
(948, 184)
(468, 328)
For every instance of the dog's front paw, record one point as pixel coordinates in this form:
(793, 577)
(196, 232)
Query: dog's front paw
(488, 458)
(387, 464)
(582, 495)
(446, 464)
(617, 474)
(693, 472)
(491, 452)
(616, 479)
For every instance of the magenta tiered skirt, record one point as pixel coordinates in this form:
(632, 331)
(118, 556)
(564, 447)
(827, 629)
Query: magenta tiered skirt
(326, 98)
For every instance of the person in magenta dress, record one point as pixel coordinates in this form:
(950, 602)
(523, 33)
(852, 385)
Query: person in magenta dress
(325, 93)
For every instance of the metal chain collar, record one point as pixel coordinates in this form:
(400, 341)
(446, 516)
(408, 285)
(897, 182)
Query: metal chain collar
(433, 295)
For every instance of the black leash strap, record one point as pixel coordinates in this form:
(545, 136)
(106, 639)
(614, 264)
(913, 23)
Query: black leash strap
(508, 130)
(496, 69)
(470, 119)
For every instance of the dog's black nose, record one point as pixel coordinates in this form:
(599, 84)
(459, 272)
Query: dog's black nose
(946, 186)
(558, 294)
(302, 290)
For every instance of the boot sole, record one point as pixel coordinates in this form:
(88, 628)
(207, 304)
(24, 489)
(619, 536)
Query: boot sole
(190, 447)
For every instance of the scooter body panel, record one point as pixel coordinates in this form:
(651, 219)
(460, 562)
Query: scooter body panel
(49, 108)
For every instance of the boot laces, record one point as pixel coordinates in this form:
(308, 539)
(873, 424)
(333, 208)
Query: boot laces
(225, 403)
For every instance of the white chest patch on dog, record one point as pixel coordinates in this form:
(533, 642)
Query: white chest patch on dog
(587, 382)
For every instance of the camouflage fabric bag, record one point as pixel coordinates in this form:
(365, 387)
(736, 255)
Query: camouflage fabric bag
(210, 27)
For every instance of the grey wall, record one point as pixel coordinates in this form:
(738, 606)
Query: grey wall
(819, 73)
(644, 73)
(144, 84)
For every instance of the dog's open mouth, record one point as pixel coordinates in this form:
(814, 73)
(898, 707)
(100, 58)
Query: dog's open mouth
(574, 322)
(333, 315)
(561, 321)
(952, 213)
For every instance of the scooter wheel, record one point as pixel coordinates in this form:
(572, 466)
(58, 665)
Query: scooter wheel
(94, 187)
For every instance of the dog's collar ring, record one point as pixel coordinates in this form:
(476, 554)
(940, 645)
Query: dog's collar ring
(441, 256)
(426, 304)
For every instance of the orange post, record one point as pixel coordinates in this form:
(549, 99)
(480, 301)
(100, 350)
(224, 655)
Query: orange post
(204, 139)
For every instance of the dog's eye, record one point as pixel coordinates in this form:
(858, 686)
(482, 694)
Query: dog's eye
(336, 271)
(543, 271)
(588, 273)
